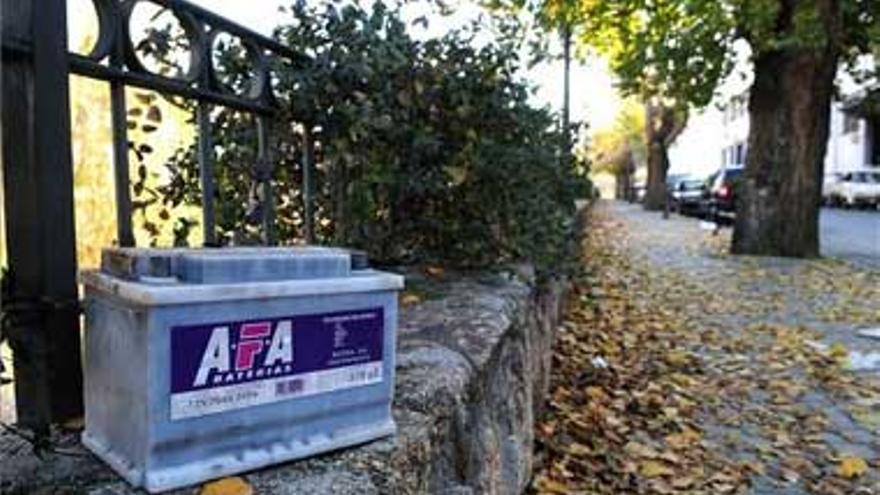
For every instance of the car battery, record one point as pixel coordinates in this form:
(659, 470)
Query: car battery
(201, 363)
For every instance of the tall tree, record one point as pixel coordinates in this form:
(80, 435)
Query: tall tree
(798, 46)
(682, 50)
(618, 148)
(664, 121)
(608, 33)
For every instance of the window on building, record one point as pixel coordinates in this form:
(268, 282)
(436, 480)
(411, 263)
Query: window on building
(740, 153)
(873, 143)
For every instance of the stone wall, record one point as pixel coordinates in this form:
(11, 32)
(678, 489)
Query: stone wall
(472, 375)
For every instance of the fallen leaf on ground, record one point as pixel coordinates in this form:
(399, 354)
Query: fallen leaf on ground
(409, 299)
(852, 467)
(652, 469)
(233, 485)
(435, 271)
(706, 382)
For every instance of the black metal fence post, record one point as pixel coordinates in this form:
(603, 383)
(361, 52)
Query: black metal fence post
(308, 165)
(206, 172)
(40, 293)
(38, 187)
(264, 176)
(119, 115)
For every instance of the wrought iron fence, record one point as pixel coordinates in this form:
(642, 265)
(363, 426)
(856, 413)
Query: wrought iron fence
(199, 82)
(40, 304)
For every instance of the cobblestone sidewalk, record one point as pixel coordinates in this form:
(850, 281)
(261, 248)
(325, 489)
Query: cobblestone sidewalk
(686, 370)
(831, 300)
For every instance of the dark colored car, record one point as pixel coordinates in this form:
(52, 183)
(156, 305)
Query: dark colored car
(686, 195)
(720, 198)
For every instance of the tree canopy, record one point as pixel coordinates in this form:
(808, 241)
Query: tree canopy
(682, 50)
(612, 148)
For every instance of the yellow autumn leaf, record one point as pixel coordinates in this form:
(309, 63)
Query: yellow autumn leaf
(578, 449)
(838, 351)
(677, 359)
(546, 485)
(409, 299)
(653, 469)
(852, 467)
(684, 439)
(227, 486)
(596, 393)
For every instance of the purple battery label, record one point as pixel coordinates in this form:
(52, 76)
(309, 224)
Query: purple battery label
(226, 366)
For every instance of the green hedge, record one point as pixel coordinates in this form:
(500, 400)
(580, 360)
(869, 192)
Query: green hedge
(428, 151)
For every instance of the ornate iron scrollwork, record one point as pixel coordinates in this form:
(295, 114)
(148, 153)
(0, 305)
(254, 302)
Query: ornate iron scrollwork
(200, 80)
(108, 15)
(195, 34)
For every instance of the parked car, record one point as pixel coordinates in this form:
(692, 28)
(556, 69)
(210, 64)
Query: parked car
(673, 179)
(720, 199)
(859, 188)
(638, 192)
(831, 189)
(686, 195)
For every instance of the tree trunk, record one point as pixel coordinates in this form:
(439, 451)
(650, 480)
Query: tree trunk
(789, 108)
(663, 123)
(623, 188)
(658, 165)
(619, 186)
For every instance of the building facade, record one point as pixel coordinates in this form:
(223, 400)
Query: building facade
(853, 138)
(718, 135)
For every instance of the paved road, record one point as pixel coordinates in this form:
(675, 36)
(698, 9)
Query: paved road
(851, 234)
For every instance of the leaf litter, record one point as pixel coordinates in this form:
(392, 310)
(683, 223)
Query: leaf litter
(664, 383)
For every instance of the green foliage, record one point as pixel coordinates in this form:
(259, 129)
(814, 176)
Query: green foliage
(681, 50)
(427, 151)
(612, 149)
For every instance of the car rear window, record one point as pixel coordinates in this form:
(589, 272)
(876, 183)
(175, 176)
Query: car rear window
(865, 178)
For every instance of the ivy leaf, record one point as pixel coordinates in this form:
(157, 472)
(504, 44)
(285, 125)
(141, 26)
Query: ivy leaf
(154, 114)
(403, 98)
(145, 98)
(457, 174)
